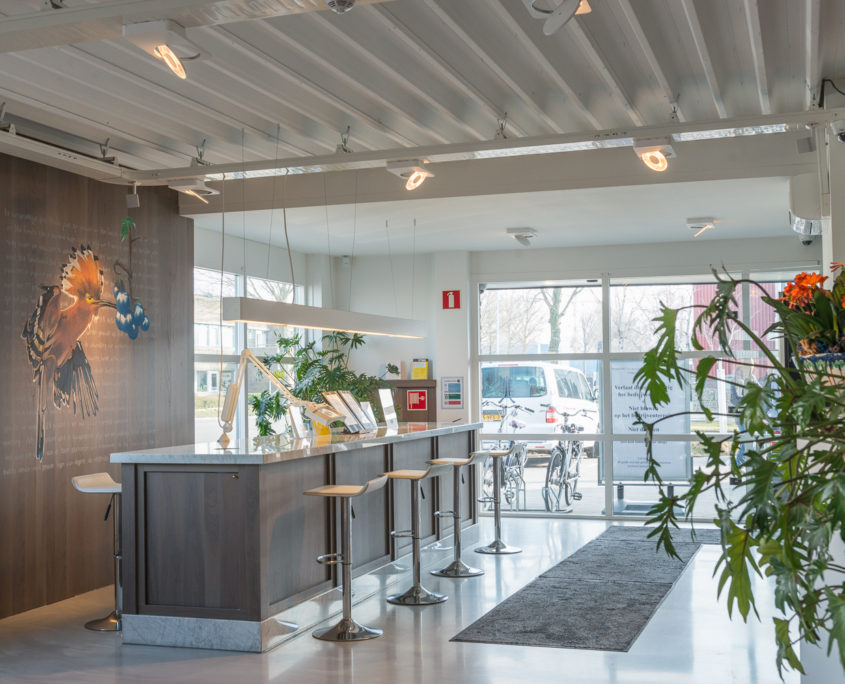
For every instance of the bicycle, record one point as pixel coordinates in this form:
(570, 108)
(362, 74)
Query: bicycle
(564, 468)
(512, 477)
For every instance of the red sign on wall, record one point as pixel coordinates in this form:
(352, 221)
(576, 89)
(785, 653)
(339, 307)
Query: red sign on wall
(417, 400)
(451, 299)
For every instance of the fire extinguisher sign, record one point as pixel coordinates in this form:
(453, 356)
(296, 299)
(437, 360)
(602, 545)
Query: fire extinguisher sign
(417, 400)
(451, 299)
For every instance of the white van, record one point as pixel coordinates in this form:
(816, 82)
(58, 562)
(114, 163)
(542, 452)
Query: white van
(532, 385)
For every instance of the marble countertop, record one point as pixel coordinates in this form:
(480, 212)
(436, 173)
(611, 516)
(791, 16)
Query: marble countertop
(286, 448)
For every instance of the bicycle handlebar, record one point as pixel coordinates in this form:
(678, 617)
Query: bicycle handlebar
(503, 405)
(579, 412)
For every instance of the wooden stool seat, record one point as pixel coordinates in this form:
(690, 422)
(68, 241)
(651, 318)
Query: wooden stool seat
(96, 483)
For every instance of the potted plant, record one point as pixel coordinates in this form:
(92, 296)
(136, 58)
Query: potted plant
(789, 415)
(309, 370)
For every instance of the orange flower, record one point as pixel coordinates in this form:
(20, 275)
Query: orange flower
(799, 292)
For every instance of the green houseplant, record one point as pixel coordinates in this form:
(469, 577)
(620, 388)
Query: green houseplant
(792, 445)
(309, 370)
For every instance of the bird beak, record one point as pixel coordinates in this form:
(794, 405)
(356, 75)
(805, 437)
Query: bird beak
(105, 302)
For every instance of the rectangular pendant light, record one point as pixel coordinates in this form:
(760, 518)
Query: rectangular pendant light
(264, 312)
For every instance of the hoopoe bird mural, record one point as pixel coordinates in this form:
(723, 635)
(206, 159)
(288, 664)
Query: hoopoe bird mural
(52, 336)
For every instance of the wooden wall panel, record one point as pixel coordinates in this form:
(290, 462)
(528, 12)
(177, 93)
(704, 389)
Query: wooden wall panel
(53, 540)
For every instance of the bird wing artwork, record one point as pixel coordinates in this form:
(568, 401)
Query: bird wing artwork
(52, 335)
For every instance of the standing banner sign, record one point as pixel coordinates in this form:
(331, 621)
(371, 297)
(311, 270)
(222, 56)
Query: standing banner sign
(629, 458)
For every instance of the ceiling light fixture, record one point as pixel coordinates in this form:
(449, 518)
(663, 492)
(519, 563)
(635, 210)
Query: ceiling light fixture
(263, 312)
(556, 13)
(411, 170)
(194, 187)
(340, 6)
(655, 152)
(166, 41)
(700, 224)
(522, 235)
(164, 53)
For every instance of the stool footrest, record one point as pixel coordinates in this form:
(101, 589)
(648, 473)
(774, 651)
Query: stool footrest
(486, 499)
(401, 533)
(445, 514)
(330, 558)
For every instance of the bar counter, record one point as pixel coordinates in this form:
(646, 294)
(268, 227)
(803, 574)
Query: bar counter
(217, 541)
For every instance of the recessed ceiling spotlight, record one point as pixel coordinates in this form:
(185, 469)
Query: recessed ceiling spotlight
(522, 235)
(411, 170)
(165, 40)
(655, 152)
(700, 224)
(194, 187)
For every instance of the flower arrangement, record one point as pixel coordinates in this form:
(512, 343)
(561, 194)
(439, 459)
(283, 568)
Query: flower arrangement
(781, 505)
(816, 315)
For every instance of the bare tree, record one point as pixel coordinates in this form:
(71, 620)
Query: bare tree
(554, 299)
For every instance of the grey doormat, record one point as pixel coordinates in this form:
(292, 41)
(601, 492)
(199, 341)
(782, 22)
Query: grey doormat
(599, 598)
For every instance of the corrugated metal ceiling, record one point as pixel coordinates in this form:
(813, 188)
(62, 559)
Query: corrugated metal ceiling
(403, 73)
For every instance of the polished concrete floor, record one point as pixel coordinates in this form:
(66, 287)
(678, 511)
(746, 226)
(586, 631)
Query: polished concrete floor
(690, 639)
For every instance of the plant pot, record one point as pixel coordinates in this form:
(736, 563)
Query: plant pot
(831, 365)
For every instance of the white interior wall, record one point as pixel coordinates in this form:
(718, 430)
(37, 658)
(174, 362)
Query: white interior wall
(247, 257)
(399, 286)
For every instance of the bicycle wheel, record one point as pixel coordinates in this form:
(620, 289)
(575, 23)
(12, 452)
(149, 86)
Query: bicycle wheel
(554, 480)
(573, 471)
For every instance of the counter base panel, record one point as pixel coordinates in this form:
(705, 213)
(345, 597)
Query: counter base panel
(258, 636)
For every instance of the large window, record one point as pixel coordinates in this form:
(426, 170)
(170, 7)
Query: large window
(555, 375)
(218, 344)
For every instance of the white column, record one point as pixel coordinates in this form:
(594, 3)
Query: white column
(451, 328)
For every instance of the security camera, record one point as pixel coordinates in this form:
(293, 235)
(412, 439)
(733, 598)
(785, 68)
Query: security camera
(806, 241)
(838, 129)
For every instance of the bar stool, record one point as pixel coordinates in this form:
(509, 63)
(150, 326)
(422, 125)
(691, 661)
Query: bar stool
(497, 546)
(347, 629)
(102, 483)
(417, 595)
(457, 568)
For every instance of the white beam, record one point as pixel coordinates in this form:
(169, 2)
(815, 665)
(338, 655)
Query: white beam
(543, 62)
(512, 147)
(446, 71)
(704, 57)
(44, 111)
(755, 38)
(492, 64)
(637, 30)
(588, 48)
(812, 9)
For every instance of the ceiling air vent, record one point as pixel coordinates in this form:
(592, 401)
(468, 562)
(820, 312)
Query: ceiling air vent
(340, 6)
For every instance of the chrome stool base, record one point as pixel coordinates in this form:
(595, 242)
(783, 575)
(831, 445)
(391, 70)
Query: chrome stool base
(347, 630)
(110, 623)
(417, 596)
(498, 547)
(458, 568)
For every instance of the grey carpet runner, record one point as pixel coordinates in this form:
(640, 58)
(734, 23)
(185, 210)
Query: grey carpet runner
(599, 598)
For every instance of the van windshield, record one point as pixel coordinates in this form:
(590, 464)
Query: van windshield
(517, 382)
